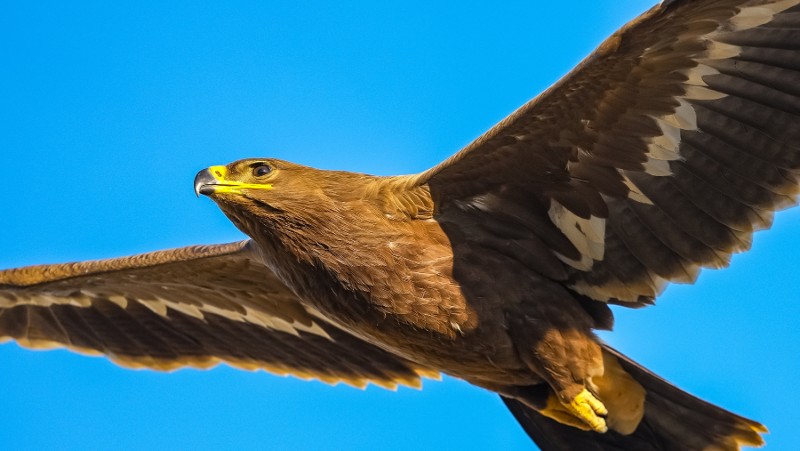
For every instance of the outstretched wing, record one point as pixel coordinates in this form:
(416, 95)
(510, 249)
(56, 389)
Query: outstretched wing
(659, 154)
(194, 306)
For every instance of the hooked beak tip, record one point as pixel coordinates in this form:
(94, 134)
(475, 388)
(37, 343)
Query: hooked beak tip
(204, 183)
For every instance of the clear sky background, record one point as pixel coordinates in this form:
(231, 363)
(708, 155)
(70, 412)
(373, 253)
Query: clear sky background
(107, 112)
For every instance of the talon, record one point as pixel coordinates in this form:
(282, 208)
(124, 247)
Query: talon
(596, 405)
(582, 412)
(588, 409)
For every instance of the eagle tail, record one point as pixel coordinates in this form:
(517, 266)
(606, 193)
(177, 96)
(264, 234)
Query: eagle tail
(672, 420)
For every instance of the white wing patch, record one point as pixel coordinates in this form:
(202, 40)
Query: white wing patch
(753, 16)
(161, 307)
(587, 235)
(665, 148)
(635, 193)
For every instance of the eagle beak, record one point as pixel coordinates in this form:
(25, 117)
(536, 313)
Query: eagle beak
(212, 181)
(206, 180)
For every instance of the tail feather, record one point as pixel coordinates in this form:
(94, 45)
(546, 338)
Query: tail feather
(673, 420)
(551, 435)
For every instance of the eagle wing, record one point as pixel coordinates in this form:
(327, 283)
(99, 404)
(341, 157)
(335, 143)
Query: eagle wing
(193, 306)
(660, 154)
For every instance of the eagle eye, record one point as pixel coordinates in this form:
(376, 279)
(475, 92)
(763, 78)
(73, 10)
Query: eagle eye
(261, 170)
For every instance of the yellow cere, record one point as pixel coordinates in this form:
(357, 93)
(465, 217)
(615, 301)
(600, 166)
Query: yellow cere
(232, 186)
(219, 172)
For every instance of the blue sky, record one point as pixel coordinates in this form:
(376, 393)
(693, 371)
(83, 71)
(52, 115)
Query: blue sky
(107, 112)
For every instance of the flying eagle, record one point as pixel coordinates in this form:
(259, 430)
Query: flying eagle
(660, 154)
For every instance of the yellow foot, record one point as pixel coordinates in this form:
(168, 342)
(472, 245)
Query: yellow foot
(583, 412)
(588, 408)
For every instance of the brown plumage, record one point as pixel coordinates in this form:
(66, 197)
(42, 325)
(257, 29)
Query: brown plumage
(657, 156)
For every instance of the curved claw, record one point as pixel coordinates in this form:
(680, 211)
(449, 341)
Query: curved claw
(584, 411)
(589, 409)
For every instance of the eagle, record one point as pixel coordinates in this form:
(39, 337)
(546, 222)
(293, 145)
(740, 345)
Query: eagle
(658, 155)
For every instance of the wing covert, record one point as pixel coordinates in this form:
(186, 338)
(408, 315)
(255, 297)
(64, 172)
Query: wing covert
(660, 154)
(195, 306)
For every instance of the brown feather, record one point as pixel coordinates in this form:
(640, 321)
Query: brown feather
(658, 155)
(193, 306)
